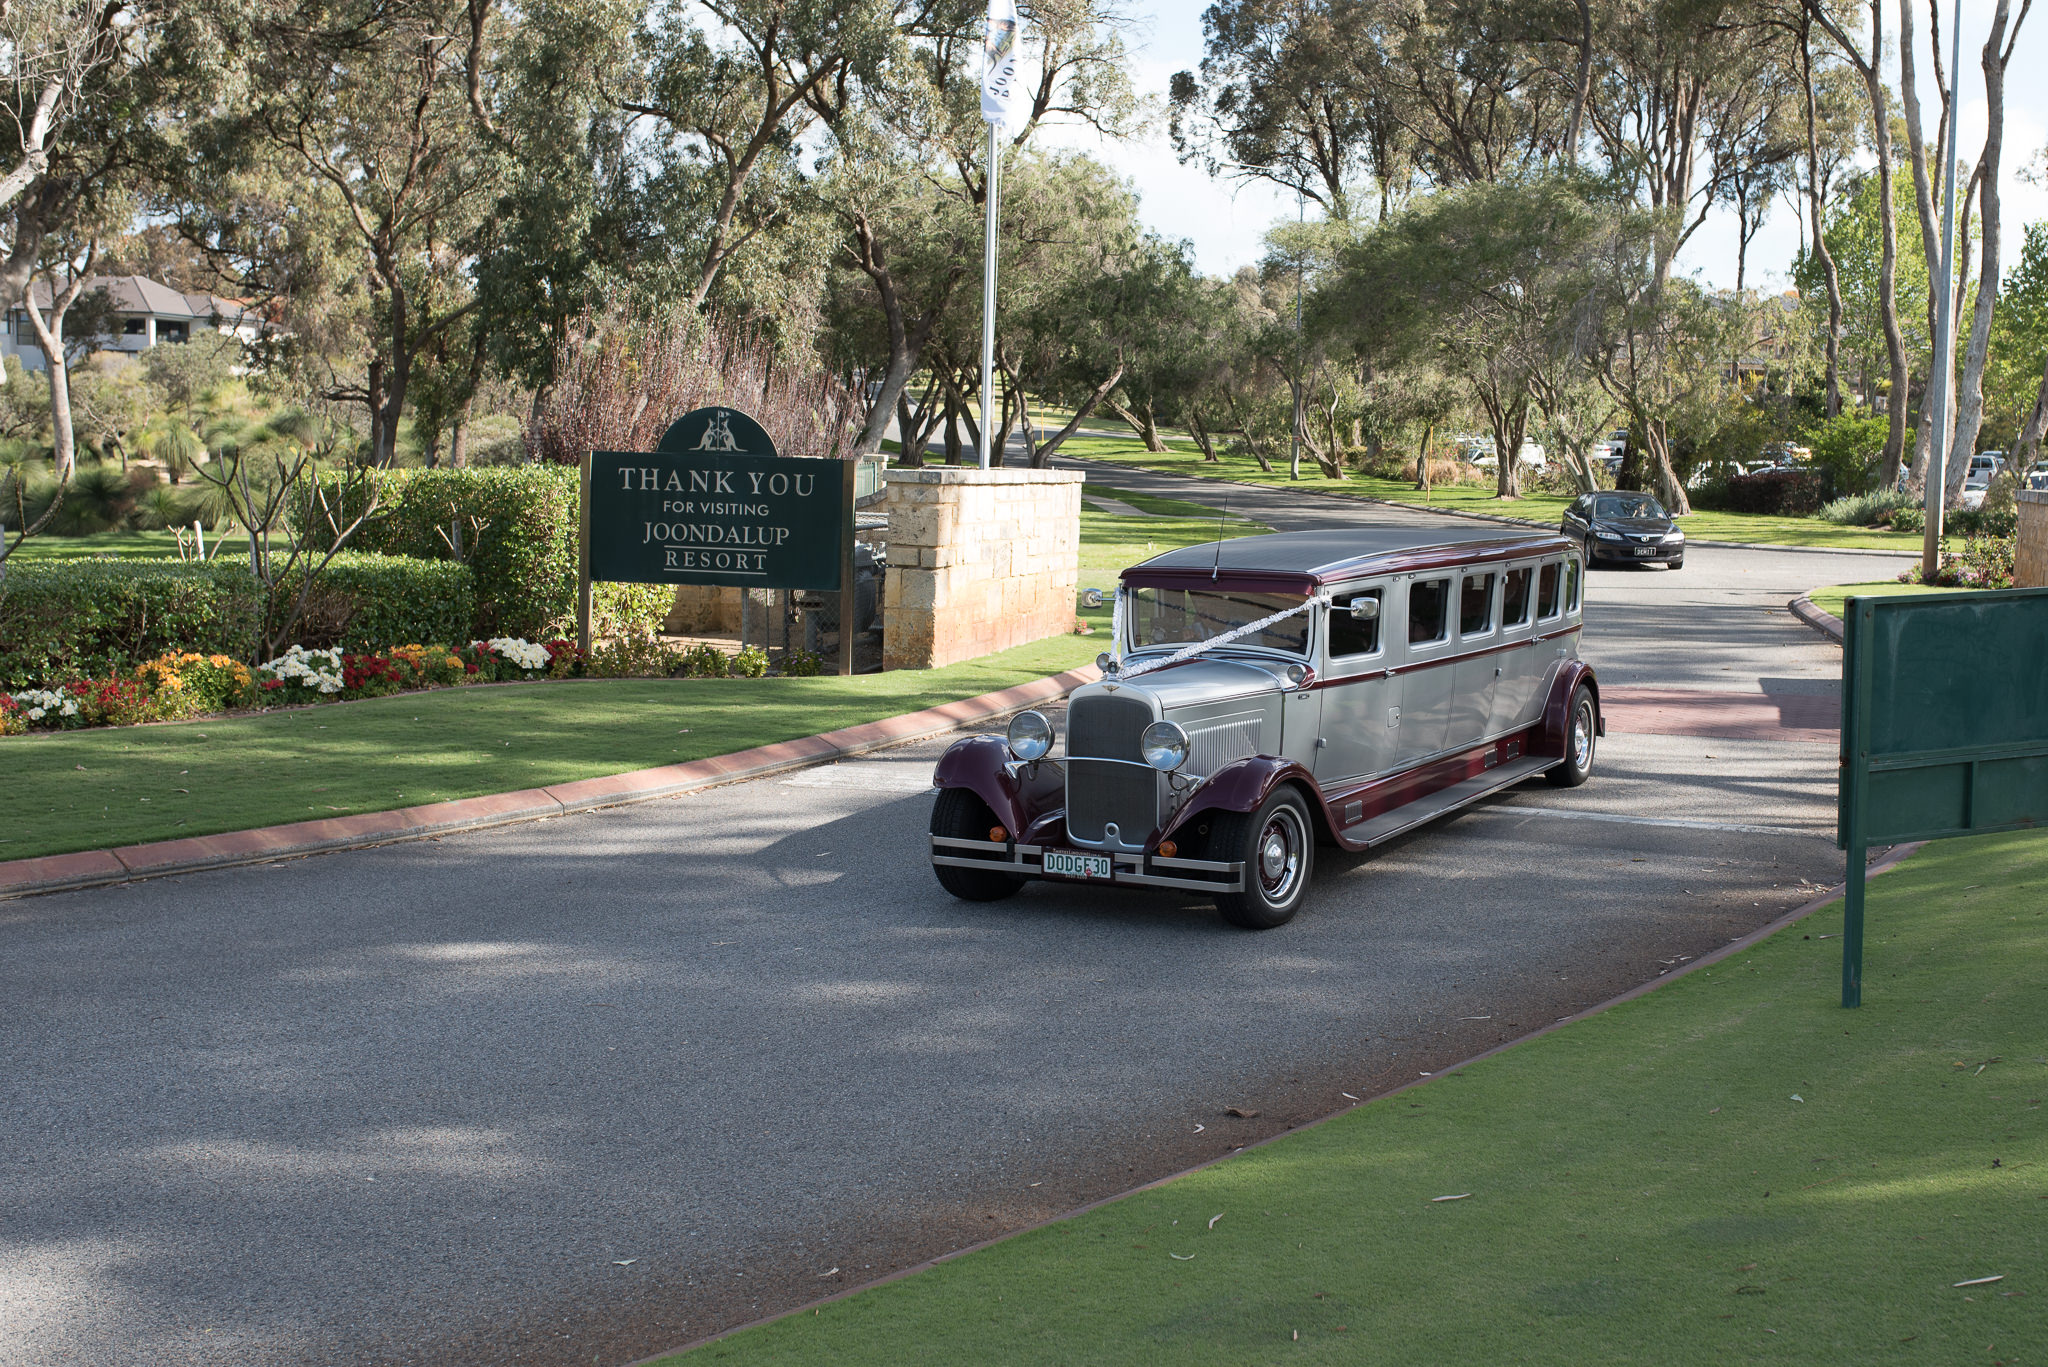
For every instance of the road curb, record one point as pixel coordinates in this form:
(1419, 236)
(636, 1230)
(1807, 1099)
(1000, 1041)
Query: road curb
(1897, 855)
(1305, 488)
(1820, 619)
(191, 854)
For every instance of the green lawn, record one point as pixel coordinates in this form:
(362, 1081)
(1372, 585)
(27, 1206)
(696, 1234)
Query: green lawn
(1731, 1169)
(79, 790)
(1834, 597)
(148, 545)
(1186, 459)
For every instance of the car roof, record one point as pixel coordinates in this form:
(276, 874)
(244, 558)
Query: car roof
(1301, 562)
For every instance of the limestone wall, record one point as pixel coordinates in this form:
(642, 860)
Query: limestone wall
(979, 561)
(2030, 560)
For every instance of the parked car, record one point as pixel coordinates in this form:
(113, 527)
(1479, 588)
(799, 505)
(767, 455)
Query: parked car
(1976, 484)
(1531, 453)
(1783, 454)
(1273, 692)
(1616, 526)
(2037, 479)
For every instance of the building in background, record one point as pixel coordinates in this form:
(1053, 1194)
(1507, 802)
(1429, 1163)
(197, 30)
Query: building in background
(141, 314)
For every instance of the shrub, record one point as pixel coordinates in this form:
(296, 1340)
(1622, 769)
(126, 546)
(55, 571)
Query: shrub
(1846, 447)
(1874, 509)
(800, 664)
(111, 702)
(12, 722)
(750, 663)
(1983, 563)
(1992, 522)
(371, 602)
(103, 616)
(1779, 493)
(186, 683)
(633, 655)
(703, 661)
(514, 526)
(618, 608)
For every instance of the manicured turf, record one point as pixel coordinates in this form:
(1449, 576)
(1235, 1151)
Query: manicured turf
(1186, 459)
(1835, 597)
(1731, 1169)
(147, 545)
(81, 790)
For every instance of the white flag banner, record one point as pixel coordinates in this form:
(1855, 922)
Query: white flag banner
(999, 62)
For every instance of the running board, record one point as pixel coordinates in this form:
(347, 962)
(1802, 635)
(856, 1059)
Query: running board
(1384, 827)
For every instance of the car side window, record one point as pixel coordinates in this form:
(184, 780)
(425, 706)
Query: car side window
(1353, 635)
(1514, 598)
(1429, 602)
(1571, 585)
(1475, 605)
(1546, 591)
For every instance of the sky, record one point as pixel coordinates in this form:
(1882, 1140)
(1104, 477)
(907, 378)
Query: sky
(1226, 221)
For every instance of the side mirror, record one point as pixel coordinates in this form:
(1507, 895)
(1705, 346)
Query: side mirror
(1365, 609)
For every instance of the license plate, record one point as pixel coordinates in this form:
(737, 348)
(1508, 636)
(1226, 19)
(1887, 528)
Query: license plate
(1078, 865)
(1646, 550)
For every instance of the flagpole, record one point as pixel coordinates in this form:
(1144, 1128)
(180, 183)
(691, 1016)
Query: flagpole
(988, 294)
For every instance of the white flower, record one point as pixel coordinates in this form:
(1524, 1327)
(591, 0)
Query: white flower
(37, 703)
(319, 670)
(519, 653)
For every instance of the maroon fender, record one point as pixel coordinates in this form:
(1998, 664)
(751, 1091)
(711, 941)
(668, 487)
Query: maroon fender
(1550, 736)
(1243, 785)
(979, 763)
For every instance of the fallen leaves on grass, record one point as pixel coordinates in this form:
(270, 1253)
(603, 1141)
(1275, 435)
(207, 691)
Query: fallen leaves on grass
(1214, 1218)
(1983, 1281)
(1459, 1197)
(1241, 1112)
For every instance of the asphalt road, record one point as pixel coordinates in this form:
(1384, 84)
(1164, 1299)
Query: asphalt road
(578, 1090)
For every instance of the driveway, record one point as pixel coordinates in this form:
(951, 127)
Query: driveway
(578, 1090)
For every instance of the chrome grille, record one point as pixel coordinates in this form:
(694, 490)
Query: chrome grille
(1102, 727)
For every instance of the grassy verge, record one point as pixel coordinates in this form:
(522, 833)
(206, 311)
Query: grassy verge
(1835, 597)
(81, 790)
(1186, 459)
(1731, 1169)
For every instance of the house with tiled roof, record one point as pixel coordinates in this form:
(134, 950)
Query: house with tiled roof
(145, 313)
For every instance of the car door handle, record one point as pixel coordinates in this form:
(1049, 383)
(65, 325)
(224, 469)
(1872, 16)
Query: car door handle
(1496, 671)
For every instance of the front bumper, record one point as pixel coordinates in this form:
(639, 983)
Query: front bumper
(1130, 870)
(1626, 551)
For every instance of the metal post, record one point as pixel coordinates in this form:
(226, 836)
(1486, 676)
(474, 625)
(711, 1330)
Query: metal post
(849, 586)
(583, 563)
(1942, 381)
(1858, 695)
(988, 293)
(1294, 433)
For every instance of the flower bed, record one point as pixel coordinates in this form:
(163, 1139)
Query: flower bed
(183, 684)
(1983, 563)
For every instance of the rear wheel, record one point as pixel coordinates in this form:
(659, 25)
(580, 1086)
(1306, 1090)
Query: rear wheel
(960, 814)
(1581, 735)
(1277, 847)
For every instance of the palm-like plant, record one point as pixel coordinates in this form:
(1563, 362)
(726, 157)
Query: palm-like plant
(172, 442)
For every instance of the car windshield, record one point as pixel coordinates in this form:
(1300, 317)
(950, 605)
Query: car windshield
(1627, 505)
(1176, 617)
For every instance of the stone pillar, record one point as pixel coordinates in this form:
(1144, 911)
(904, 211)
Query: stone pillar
(2030, 545)
(979, 561)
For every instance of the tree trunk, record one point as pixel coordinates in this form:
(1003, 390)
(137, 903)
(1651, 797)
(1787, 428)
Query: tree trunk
(1422, 458)
(911, 453)
(1970, 409)
(952, 421)
(1199, 430)
(2028, 449)
(1251, 440)
(1819, 212)
(906, 341)
(1669, 491)
(50, 337)
(1087, 406)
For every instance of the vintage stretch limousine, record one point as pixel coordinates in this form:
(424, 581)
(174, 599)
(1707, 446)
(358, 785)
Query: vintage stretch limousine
(1270, 692)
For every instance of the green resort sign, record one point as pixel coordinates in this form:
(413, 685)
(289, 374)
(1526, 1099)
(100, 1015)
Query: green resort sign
(714, 504)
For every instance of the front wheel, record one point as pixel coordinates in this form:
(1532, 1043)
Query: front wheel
(960, 814)
(1277, 846)
(1582, 733)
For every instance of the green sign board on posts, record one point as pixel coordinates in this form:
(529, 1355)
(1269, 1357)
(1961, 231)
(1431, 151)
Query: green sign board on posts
(1944, 728)
(715, 505)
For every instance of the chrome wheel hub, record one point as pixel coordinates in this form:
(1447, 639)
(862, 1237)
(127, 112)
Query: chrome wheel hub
(1582, 736)
(1279, 854)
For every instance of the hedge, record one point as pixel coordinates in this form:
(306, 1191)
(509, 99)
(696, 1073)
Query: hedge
(72, 619)
(75, 619)
(517, 530)
(1778, 493)
(374, 602)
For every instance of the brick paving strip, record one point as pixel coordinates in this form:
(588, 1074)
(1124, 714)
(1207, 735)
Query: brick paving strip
(128, 863)
(1732, 716)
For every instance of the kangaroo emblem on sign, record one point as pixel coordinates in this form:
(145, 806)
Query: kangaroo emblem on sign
(717, 435)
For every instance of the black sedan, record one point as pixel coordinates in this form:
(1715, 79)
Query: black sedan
(1612, 526)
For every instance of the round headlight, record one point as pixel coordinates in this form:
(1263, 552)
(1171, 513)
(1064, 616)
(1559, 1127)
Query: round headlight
(1030, 736)
(1164, 746)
